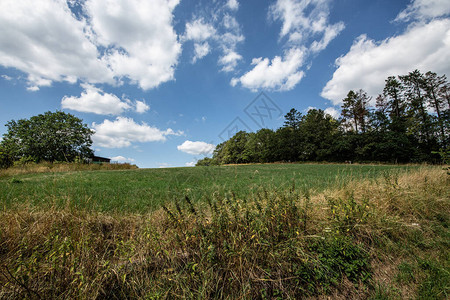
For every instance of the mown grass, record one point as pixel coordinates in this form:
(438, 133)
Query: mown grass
(379, 238)
(144, 190)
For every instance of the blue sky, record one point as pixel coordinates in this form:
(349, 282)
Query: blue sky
(163, 81)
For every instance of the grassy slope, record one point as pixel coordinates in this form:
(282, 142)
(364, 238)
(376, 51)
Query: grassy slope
(387, 238)
(145, 190)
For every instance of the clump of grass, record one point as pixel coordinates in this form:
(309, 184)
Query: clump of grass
(45, 167)
(15, 180)
(355, 242)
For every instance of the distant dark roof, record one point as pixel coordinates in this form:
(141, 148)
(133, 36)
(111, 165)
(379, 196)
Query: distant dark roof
(100, 159)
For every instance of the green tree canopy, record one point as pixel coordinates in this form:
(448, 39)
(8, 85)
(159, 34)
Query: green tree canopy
(409, 122)
(293, 119)
(52, 136)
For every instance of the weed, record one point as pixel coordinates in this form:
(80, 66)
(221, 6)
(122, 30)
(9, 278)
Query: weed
(15, 180)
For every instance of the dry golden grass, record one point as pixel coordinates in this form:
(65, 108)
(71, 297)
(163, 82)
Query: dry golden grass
(46, 167)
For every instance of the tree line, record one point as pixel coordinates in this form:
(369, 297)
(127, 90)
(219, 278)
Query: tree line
(408, 122)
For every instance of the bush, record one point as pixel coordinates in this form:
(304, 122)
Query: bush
(6, 160)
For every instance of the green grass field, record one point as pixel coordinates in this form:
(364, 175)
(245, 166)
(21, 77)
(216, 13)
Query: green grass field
(144, 190)
(275, 231)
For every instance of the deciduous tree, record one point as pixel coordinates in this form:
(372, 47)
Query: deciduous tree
(52, 136)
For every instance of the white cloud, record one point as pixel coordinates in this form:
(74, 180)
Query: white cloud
(280, 73)
(330, 33)
(233, 4)
(332, 112)
(230, 22)
(305, 19)
(190, 164)
(424, 9)
(198, 30)
(48, 42)
(200, 51)
(141, 107)
(45, 41)
(6, 77)
(196, 148)
(122, 132)
(122, 159)
(143, 44)
(306, 30)
(33, 88)
(368, 63)
(229, 61)
(94, 100)
(222, 31)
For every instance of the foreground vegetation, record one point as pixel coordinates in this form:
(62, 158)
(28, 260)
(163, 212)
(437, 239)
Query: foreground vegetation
(384, 238)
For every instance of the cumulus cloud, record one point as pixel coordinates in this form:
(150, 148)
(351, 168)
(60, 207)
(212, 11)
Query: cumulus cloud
(196, 148)
(107, 41)
(280, 73)
(190, 164)
(6, 77)
(306, 31)
(94, 100)
(424, 9)
(368, 63)
(122, 159)
(143, 45)
(44, 40)
(122, 132)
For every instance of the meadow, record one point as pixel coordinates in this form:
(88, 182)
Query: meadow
(281, 231)
(144, 190)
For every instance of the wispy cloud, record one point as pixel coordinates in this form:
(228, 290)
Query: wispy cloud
(424, 10)
(216, 31)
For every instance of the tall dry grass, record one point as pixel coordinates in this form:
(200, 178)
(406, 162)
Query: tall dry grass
(46, 167)
(382, 239)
